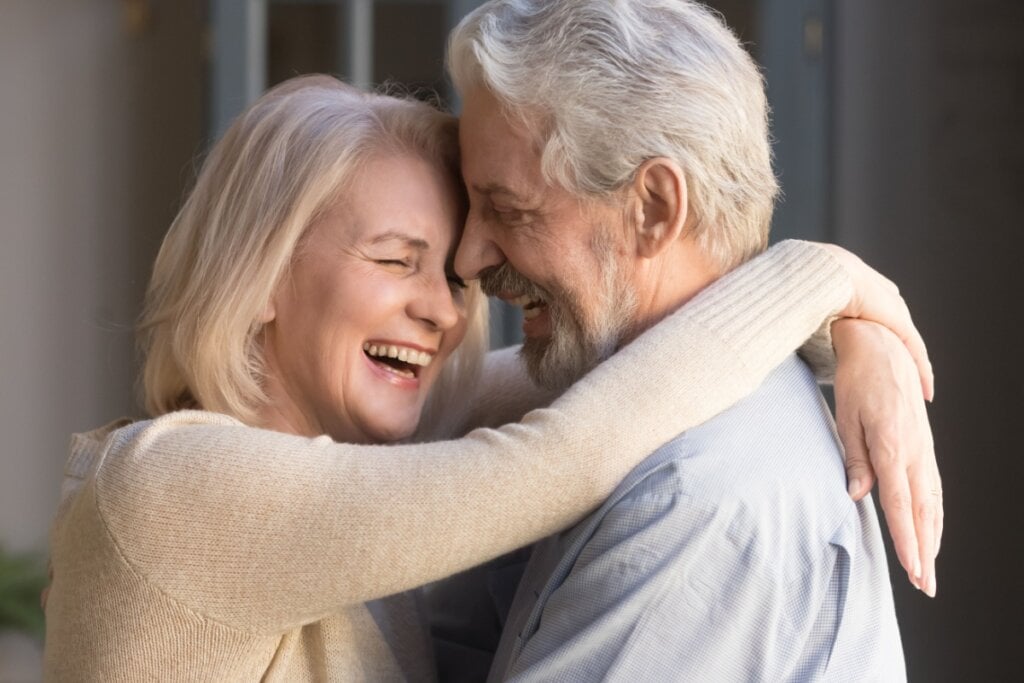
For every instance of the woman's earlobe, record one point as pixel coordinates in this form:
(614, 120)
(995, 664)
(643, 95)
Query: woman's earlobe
(268, 314)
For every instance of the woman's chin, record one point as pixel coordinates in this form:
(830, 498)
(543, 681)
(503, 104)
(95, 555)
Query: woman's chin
(373, 420)
(394, 436)
(390, 432)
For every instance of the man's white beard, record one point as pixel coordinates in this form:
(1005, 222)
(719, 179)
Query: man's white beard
(576, 344)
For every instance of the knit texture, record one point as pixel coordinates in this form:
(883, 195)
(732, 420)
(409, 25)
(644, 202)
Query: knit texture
(193, 547)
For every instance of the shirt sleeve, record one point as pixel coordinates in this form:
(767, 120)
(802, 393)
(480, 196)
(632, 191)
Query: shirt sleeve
(669, 588)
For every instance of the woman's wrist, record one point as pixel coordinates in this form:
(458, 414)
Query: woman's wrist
(845, 333)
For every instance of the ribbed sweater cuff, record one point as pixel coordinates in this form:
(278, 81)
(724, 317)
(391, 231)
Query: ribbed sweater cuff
(819, 353)
(795, 284)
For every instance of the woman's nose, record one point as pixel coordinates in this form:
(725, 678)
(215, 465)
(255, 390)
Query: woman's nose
(438, 304)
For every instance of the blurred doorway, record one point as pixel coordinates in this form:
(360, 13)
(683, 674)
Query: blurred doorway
(792, 41)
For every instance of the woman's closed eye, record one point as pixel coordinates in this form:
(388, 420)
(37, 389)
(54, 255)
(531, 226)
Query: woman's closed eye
(394, 263)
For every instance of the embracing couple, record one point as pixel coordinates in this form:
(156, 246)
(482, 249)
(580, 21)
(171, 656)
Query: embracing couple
(327, 434)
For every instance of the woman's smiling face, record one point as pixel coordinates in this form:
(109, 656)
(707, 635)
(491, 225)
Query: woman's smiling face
(362, 324)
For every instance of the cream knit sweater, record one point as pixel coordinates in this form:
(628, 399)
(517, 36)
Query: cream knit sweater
(194, 548)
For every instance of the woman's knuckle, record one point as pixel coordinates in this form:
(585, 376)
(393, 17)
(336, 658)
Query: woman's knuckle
(925, 511)
(897, 501)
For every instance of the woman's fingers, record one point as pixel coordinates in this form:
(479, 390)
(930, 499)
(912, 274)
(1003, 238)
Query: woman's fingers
(882, 420)
(926, 493)
(860, 476)
(914, 343)
(895, 494)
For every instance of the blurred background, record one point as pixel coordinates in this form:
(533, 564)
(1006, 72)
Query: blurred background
(898, 135)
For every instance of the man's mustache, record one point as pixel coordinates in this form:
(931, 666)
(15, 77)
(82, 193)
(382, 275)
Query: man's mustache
(505, 278)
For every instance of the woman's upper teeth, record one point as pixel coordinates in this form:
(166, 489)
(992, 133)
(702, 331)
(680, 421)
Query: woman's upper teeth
(402, 353)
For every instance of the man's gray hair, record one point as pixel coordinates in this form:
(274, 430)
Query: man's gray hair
(606, 84)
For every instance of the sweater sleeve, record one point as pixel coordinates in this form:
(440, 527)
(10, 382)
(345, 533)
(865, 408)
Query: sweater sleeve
(819, 353)
(505, 392)
(264, 531)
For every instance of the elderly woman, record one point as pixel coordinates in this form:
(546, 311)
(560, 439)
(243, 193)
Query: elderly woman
(304, 302)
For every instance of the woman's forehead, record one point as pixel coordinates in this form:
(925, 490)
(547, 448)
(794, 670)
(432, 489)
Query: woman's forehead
(396, 200)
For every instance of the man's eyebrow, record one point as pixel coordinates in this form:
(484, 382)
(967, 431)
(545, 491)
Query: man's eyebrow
(496, 188)
(393, 235)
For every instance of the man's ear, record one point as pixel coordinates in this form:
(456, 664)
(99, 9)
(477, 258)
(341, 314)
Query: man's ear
(661, 209)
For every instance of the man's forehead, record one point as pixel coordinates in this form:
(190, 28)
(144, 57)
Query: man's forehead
(497, 155)
(484, 126)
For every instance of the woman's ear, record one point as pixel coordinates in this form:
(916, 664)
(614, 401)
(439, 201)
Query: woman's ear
(661, 210)
(269, 312)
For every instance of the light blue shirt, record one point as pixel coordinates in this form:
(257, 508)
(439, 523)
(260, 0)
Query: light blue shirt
(733, 553)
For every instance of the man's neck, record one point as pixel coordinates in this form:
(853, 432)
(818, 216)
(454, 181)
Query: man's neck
(666, 283)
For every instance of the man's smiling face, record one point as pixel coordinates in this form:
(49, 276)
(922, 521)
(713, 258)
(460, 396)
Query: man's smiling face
(536, 245)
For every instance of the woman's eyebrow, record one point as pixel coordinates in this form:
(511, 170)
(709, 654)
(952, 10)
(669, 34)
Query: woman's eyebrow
(415, 242)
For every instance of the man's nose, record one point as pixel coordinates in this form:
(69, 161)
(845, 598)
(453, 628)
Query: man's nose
(477, 249)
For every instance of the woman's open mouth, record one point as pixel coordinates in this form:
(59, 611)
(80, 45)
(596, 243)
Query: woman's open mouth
(401, 361)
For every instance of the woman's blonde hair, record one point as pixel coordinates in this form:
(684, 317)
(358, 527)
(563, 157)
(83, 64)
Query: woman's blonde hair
(284, 160)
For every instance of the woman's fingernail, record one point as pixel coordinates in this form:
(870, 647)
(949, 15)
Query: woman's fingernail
(853, 487)
(930, 589)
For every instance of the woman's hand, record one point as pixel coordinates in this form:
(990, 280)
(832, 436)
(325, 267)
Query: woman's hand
(883, 424)
(877, 298)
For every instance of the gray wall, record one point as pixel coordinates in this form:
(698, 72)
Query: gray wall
(98, 124)
(929, 187)
(97, 129)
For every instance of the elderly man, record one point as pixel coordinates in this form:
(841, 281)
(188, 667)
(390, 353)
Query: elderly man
(617, 160)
